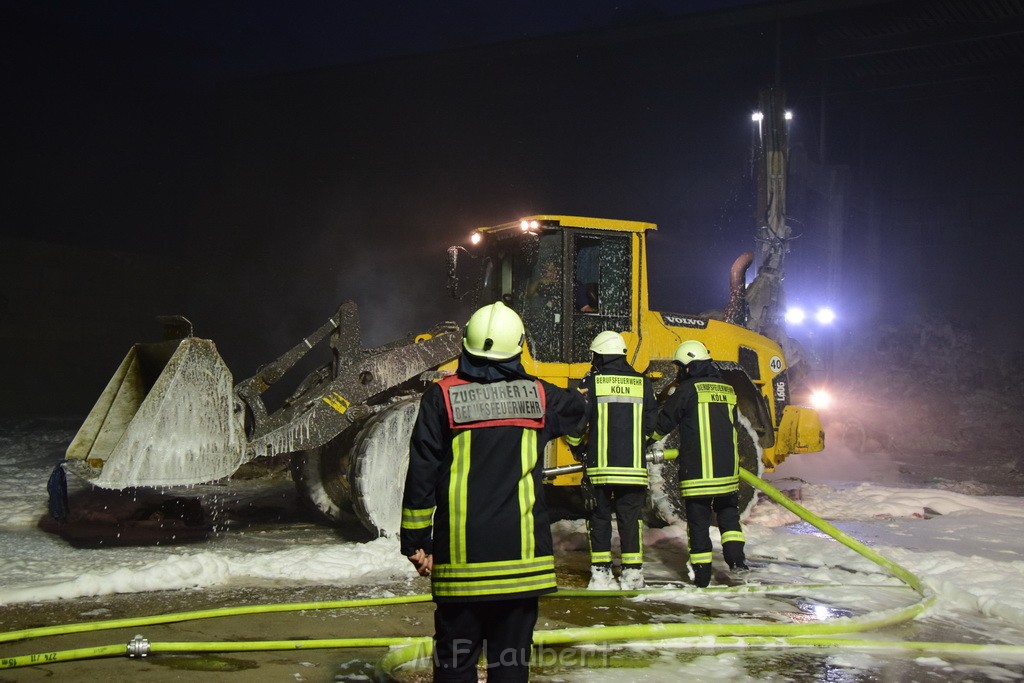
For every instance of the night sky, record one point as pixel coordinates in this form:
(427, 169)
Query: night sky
(253, 164)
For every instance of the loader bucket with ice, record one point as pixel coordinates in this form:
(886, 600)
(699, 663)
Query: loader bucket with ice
(167, 417)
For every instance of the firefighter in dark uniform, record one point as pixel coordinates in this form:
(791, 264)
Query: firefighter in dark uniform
(473, 512)
(703, 407)
(621, 416)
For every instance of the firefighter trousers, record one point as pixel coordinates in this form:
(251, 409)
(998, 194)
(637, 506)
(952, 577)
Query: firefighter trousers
(628, 502)
(504, 628)
(698, 521)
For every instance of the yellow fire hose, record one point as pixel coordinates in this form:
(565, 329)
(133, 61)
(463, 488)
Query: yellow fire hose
(408, 649)
(176, 617)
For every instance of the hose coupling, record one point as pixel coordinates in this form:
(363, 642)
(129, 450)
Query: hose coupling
(656, 455)
(138, 647)
(553, 472)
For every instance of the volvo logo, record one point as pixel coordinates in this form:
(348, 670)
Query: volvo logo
(678, 320)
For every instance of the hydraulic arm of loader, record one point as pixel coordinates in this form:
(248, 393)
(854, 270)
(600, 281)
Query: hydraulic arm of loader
(336, 396)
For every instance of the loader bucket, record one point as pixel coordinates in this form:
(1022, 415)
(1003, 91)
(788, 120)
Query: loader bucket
(167, 417)
(799, 432)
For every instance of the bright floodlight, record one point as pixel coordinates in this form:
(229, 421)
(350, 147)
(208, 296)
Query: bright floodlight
(795, 315)
(820, 399)
(825, 315)
(757, 116)
(475, 238)
(789, 116)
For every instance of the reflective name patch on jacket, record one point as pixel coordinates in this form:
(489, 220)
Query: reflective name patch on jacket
(615, 388)
(519, 399)
(715, 392)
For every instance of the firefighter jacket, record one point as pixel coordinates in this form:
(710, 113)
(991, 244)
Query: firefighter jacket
(703, 407)
(473, 492)
(621, 416)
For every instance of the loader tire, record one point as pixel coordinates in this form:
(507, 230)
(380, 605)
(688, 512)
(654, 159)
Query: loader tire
(322, 478)
(750, 460)
(665, 503)
(380, 461)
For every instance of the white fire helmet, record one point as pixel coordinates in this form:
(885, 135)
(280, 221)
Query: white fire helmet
(609, 343)
(495, 331)
(689, 351)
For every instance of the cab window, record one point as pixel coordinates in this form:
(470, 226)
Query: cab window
(602, 291)
(537, 286)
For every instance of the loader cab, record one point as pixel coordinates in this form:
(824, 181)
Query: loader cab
(568, 278)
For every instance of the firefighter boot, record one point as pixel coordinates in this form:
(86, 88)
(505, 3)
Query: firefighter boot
(702, 575)
(733, 551)
(632, 578)
(602, 579)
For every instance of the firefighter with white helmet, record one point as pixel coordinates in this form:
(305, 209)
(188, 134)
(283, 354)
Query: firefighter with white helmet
(473, 511)
(611, 445)
(703, 408)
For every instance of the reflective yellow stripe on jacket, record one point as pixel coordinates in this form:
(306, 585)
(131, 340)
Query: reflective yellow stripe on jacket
(493, 578)
(458, 494)
(417, 519)
(527, 496)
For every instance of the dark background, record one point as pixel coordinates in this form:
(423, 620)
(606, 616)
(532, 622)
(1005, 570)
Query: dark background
(251, 165)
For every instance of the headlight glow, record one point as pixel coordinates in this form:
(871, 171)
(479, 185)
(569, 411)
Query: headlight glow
(820, 399)
(795, 315)
(825, 315)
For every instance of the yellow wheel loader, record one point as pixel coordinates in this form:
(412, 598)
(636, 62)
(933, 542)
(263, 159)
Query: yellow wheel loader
(172, 416)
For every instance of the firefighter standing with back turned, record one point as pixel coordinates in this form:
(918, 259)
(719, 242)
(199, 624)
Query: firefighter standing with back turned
(621, 415)
(473, 512)
(703, 407)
